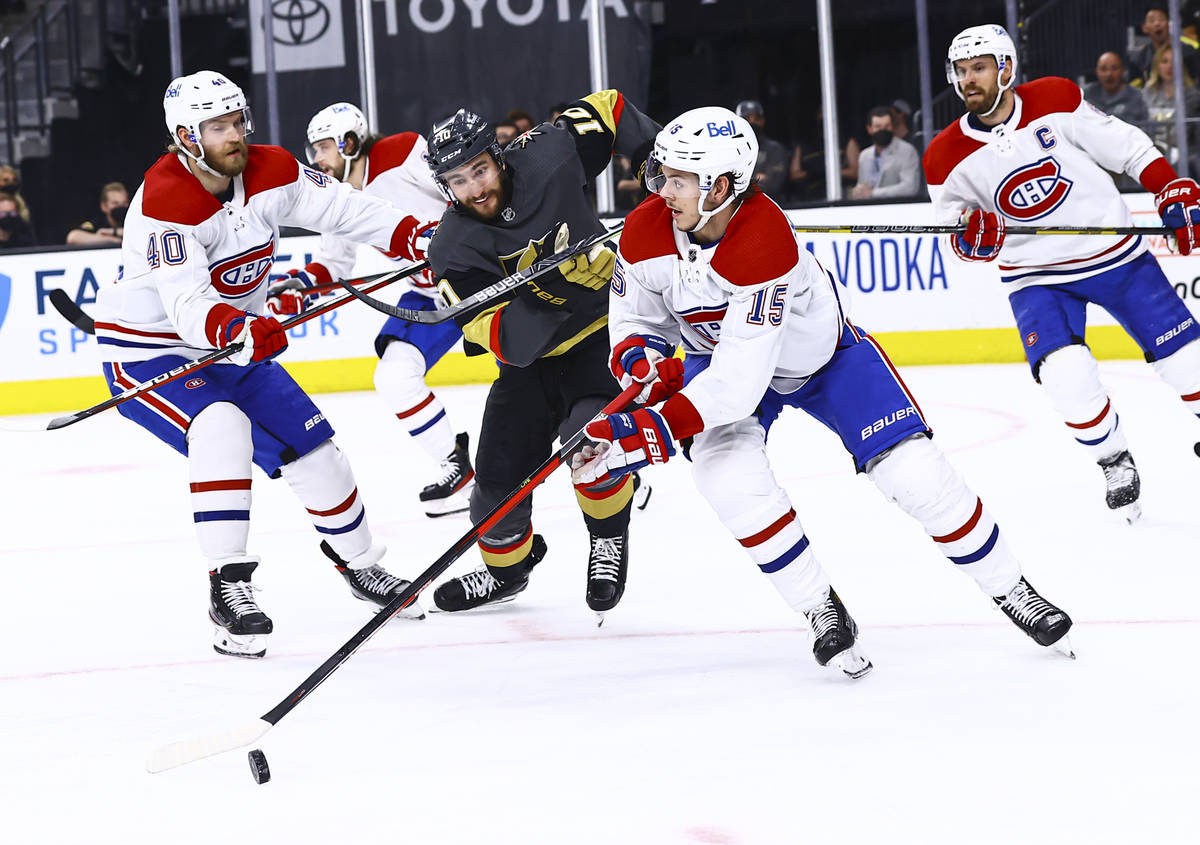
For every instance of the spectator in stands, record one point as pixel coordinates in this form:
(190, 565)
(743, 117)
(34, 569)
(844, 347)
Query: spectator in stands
(10, 185)
(1159, 94)
(14, 232)
(629, 190)
(772, 168)
(556, 110)
(109, 225)
(890, 167)
(1111, 94)
(806, 173)
(901, 119)
(1157, 25)
(523, 120)
(505, 132)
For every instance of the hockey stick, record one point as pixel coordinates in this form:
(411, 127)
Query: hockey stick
(79, 318)
(376, 282)
(71, 312)
(190, 750)
(492, 291)
(1008, 230)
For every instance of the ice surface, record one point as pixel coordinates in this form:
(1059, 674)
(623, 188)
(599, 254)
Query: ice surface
(695, 715)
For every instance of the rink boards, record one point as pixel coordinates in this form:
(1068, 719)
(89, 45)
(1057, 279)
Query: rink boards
(910, 291)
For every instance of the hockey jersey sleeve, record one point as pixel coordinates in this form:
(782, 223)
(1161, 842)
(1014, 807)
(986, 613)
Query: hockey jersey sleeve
(605, 122)
(636, 307)
(1115, 145)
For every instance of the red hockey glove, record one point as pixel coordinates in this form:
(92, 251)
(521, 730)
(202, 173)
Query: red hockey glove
(983, 238)
(647, 359)
(291, 293)
(622, 443)
(261, 337)
(411, 238)
(1179, 207)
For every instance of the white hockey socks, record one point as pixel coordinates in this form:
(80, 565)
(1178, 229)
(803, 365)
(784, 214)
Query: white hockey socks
(730, 467)
(916, 476)
(1072, 381)
(324, 483)
(219, 461)
(400, 379)
(1182, 372)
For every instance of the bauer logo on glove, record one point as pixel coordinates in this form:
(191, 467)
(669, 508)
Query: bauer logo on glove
(622, 443)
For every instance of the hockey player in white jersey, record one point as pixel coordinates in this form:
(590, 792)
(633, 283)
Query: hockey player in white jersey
(394, 169)
(199, 241)
(711, 262)
(1039, 152)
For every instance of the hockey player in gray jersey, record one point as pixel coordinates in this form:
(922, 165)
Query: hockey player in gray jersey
(549, 338)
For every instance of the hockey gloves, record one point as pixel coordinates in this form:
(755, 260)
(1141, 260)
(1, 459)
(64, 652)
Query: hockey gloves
(261, 337)
(592, 269)
(291, 293)
(1179, 207)
(982, 239)
(622, 443)
(647, 359)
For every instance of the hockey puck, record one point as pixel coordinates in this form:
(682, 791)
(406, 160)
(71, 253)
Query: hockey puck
(1196, 449)
(259, 767)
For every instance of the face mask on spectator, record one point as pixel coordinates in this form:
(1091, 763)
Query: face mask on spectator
(118, 214)
(9, 222)
(10, 187)
(881, 138)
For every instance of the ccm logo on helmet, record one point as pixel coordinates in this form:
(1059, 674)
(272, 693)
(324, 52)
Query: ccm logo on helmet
(1033, 191)
(718, 130)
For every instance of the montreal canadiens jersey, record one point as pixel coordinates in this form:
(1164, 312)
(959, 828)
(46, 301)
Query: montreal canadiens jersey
(1044, 166)
(185, 253)
(756, 301)
(396, 172)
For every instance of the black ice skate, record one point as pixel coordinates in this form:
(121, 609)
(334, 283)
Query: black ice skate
(451, 493)
(241, 627)
(608, 564)
(481, 587)
(834, 636)
(371, 582)
(1045, 623)
(1124, 485)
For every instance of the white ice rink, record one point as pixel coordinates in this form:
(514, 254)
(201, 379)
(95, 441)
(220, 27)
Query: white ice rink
(695, 715)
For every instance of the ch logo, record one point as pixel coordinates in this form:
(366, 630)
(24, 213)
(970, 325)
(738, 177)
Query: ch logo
(1033, 191)
(296, 22)
(5, 294)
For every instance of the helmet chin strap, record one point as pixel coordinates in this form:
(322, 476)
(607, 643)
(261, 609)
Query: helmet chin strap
(705, 215)
(1001, 88)
(199, 159)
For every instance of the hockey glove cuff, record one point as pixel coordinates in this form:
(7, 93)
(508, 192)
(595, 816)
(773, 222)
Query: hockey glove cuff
(983, 237)
(647, 359)
(292, 293)
(1179, 207)
(261, 337)
(621, 444)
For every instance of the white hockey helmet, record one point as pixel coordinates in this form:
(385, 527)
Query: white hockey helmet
(987, 40)
(191, 100)
(710, 141)
(336, 122)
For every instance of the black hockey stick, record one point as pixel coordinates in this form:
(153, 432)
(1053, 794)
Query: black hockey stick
(373, 283)
(190, 750)
(72, 313)
(492, 291)
(884, 229)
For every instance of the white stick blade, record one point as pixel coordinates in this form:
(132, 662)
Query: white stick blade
(191, 750)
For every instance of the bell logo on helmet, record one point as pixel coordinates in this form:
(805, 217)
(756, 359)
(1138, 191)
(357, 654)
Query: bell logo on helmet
(1033, 191)
(726, 129)
(173, 91)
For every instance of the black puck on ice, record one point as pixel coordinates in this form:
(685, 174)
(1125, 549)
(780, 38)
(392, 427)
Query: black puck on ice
(259, 767)
(1196, 449)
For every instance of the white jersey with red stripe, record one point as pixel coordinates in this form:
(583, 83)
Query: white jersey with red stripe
(396, 171)
(188, 258)
(756, 301)
(1044, 166)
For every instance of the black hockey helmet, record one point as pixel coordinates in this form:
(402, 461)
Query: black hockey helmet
(456, 140)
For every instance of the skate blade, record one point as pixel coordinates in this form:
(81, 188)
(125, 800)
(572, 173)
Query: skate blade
(413, 611)
(246, 646)
(435, 609)
(600, 618)
(459, 502)
(641, 496)
(853, 664)
(1131, 512)
(1063, 647)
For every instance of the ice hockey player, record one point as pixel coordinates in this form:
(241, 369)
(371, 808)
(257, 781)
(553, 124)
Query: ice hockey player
(1039, 152)
(711, 262)
(393, 169)
(199, 243)
(549, 340)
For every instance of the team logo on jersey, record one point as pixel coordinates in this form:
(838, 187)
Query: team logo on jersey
(706, 323)
(1031, 338)
(241, 274)
(1033, 191)
(192, 384)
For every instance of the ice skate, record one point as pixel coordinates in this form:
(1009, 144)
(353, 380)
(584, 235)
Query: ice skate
(1046, 624)
(834, 637)
(240, 628)
(481, 587)
(641, 492)
(371, 582)
(608, 564)
(1124, 485)
(451, 493)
